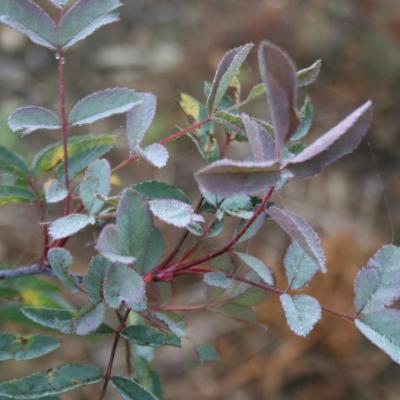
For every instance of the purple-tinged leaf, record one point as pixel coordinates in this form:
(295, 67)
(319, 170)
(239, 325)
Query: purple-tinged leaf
(229, 177)
(300, 232)
(341, 140)
(139, 119)
(103, 104)
(226, 71)
(123, 284)
(95, 186)
(262, 144)
(84, 17)
(302, 313)
(108, 245)
(377, 285)
(69, 225)
(300, 268)
(258, 267)
(279, 75)
(156, 154)
(383, 329)
(27, 17)
(173, 212)
(309, 75)
(28, 119)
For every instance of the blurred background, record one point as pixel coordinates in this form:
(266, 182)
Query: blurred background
(172, 46)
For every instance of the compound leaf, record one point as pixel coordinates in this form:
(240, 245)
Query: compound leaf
(14, 346)
(229, 177)
(29, 119)
(27, 17)
(51, 382)
(302, 313)
(85, 17)
(103, 104)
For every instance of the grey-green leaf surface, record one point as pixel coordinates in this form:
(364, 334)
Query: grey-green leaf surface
(27, 17)
(12, 163)
(377, 285)
(123, 284)
(339, 141)
(69, 225)
(309, 75)
(139, 119)
(151, 190)
(102, 104)
(94, 278)
(29, 119)
(300, 232)
(49, 317)
(60, 260)
(10, 194)
(217, 279)
(258, 267)
(135, 225)
(85, 17)
(229, 177)
(383, 329)
(87, 321)
(108, 245)
(302, 313)
(95, 186)
(172, 212)
(51, 382)
(207, 353)
(300, 267)
(130, 390)
(156, 154)
(306, 120)
(14, 346)
(145, 335)
(147, 376)
(55, 191)
(227, 69)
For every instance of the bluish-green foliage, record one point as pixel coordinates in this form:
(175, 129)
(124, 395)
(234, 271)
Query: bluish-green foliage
(131, 273)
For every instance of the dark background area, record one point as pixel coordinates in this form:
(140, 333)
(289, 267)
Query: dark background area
(172, 46)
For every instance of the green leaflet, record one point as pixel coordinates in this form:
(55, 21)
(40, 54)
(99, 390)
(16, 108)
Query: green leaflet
(14, 346)
(15, 195)
(207, 352)
(52, 382)
(144, 335)
(130, 390)
(51, 156)
(12, 163)
(147, 376)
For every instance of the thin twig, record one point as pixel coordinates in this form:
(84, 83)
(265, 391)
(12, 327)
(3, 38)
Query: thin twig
(34, 269)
